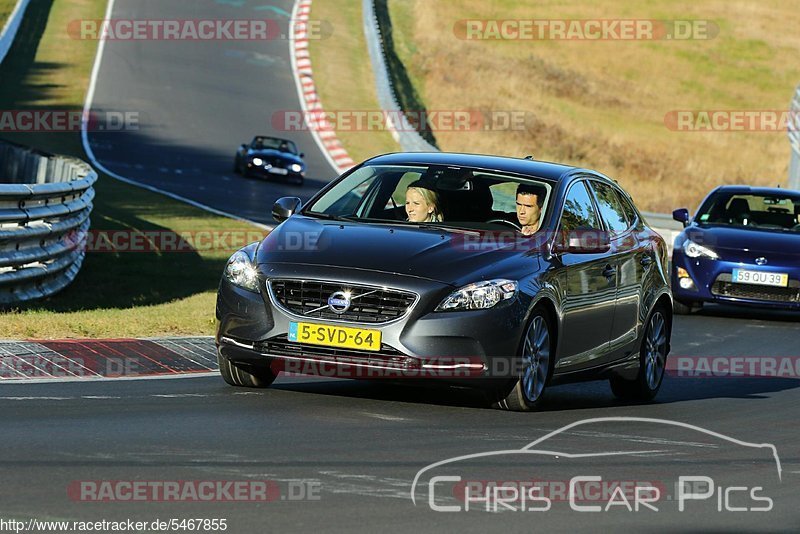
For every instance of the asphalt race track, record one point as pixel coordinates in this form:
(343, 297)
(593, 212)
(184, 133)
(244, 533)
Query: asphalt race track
(355, 447)
(196, 102)
(342, 455)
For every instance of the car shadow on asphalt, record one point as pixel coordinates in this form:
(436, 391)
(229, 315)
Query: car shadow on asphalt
(581, 396)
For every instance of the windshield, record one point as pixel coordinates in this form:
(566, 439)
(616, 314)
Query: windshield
(441, 195)
(273, 143)
(765, 212)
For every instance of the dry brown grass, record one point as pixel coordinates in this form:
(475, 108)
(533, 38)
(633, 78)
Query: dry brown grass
(602, 104)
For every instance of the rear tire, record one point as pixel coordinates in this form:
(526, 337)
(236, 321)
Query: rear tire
(236, 375)
(536, 357)
(652, 361)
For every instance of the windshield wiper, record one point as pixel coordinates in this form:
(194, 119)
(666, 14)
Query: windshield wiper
(332, 217)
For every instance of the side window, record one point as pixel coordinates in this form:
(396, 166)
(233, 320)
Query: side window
(608, 202)
(579, 212)
(627, 208)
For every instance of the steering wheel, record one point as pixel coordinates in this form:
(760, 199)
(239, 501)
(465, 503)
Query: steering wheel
(505, 221)
(796, 228)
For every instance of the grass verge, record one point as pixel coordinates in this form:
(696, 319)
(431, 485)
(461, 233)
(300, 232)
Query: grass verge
(343, 75)
(117, 293)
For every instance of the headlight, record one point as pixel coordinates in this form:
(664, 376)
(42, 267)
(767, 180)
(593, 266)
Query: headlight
(258, 162)
(693, 250)
(296, 167)
(479, 296)
(241, 272)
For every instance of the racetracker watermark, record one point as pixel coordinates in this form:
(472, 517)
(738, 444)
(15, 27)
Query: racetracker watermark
(197, 29)
(584, 30)
(734, 366)
(161, 241)
(193, 490)
(360, 120)
(58, 366)
(727, 120)
(59, 120)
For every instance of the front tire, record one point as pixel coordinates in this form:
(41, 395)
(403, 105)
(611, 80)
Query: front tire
(652, 361)
(236, 375)
(537, 359)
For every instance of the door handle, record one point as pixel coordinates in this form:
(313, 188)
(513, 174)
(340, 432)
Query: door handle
(609, 271)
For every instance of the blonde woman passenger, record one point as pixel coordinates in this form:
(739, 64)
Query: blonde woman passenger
(422, 203)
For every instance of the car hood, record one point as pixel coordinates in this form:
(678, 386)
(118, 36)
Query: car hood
(450, 257)
(746, 244)
(269, 153)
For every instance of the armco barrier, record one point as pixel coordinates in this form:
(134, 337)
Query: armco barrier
(45, 202)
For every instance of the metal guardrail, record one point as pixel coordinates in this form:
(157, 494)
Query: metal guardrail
(45, 202)
(405, 134)
(794, 139)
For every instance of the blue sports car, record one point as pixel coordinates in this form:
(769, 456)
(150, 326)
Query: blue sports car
(741, 247)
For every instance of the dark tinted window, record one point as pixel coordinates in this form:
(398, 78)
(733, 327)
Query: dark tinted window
(608, 202)
(579, 212)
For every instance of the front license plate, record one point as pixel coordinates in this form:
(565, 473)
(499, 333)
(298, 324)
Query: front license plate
(277, 170)
(335, 336)
(743, 276)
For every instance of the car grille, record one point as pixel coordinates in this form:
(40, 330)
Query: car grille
(724, 287)
(387, 357)
(368, 304)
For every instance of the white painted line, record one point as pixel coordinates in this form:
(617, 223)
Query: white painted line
(87, 108)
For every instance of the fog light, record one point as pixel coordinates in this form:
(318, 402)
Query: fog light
(682, 273)
(686, 283)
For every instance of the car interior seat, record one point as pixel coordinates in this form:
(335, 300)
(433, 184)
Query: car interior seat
(739, 211)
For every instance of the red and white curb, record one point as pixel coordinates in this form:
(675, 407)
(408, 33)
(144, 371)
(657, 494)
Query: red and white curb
(100, 359)
(320, 128)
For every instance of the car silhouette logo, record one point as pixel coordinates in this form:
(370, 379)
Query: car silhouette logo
(761, 261)
(339, 302)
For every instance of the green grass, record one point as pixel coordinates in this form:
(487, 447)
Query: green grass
(6, 7)
(116, 294)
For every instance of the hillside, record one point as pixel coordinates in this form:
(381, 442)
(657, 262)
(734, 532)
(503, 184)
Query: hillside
(612, 104)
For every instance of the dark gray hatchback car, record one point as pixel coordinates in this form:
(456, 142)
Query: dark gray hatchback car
(347, 286)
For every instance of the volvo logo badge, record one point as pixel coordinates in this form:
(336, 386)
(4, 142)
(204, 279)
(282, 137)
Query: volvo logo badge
(761, 261)
(339, 302)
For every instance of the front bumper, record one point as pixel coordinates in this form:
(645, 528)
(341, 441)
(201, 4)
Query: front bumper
(271, 171)
(712, 283)
(252, 330)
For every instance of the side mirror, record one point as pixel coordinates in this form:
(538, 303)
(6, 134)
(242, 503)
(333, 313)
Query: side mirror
(584, 242)
(285, 207)
(682, 216)
(302, 154)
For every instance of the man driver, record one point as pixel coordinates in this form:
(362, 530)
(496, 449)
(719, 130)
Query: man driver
(530, 199)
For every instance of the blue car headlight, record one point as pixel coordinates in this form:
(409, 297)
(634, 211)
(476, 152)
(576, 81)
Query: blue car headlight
(295, 167)
(479, 296)
(693, 250)
(241, 272)
(258, 162)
